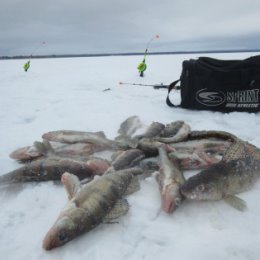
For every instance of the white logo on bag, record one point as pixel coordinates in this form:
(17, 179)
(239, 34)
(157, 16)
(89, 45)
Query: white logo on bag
(209, 98)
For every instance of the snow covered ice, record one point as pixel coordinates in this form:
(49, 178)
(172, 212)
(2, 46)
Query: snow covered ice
(68, 94)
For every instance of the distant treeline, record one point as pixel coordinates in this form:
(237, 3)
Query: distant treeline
(121, 54)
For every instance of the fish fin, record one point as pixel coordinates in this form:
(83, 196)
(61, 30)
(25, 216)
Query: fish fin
(44, 147)
(40, 147)
(236, 202)
(131, 142)
(71, 183)
(133, 186)
(235, 151)
(100, 134)
(120, 208)
(129, 126)
(157, 176)
(86, 180)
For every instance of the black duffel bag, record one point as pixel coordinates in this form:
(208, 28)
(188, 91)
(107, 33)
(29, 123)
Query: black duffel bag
(219, 85)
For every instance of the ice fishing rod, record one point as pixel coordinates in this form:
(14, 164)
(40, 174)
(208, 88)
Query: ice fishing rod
(155, 86)
(142, 66)
(37, 48)
(148, 44)
(26, 66)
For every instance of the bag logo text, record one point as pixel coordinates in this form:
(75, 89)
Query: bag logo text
(210, 98)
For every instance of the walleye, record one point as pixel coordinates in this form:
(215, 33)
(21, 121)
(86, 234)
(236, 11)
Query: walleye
(153, 130)
(150, 147)
(80, 151)
(26, 154)
(99, 201)
(174, 132)
(170, 179)
(72, 137)
(223, 180)
(52, 168)
(128, 158)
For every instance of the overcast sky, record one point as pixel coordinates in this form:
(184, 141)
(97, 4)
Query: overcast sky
(109, 26)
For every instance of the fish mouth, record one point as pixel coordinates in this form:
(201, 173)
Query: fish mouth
(47, 245)
(187, 193)
(47, 242)
(50, 241)
(168, 204)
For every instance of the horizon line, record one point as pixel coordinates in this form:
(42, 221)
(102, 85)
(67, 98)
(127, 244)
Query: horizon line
(123, 54)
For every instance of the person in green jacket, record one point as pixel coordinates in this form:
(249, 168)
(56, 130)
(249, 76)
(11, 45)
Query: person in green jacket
(26, 66)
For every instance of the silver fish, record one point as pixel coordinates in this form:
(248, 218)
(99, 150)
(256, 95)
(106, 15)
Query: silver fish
(99, 201)
(170, 179)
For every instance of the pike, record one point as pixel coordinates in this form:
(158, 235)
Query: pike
(101, 200)
(170, 179)
(52, 168)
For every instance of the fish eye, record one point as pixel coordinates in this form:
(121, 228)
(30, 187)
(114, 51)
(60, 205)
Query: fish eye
(201, 187)
(62, 236)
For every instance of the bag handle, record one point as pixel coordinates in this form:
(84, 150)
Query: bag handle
(170, 88)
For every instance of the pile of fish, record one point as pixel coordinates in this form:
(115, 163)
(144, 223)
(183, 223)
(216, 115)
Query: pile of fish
(98, 173)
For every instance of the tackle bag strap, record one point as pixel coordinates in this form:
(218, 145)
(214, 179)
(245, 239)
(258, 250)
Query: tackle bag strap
(170, 88)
